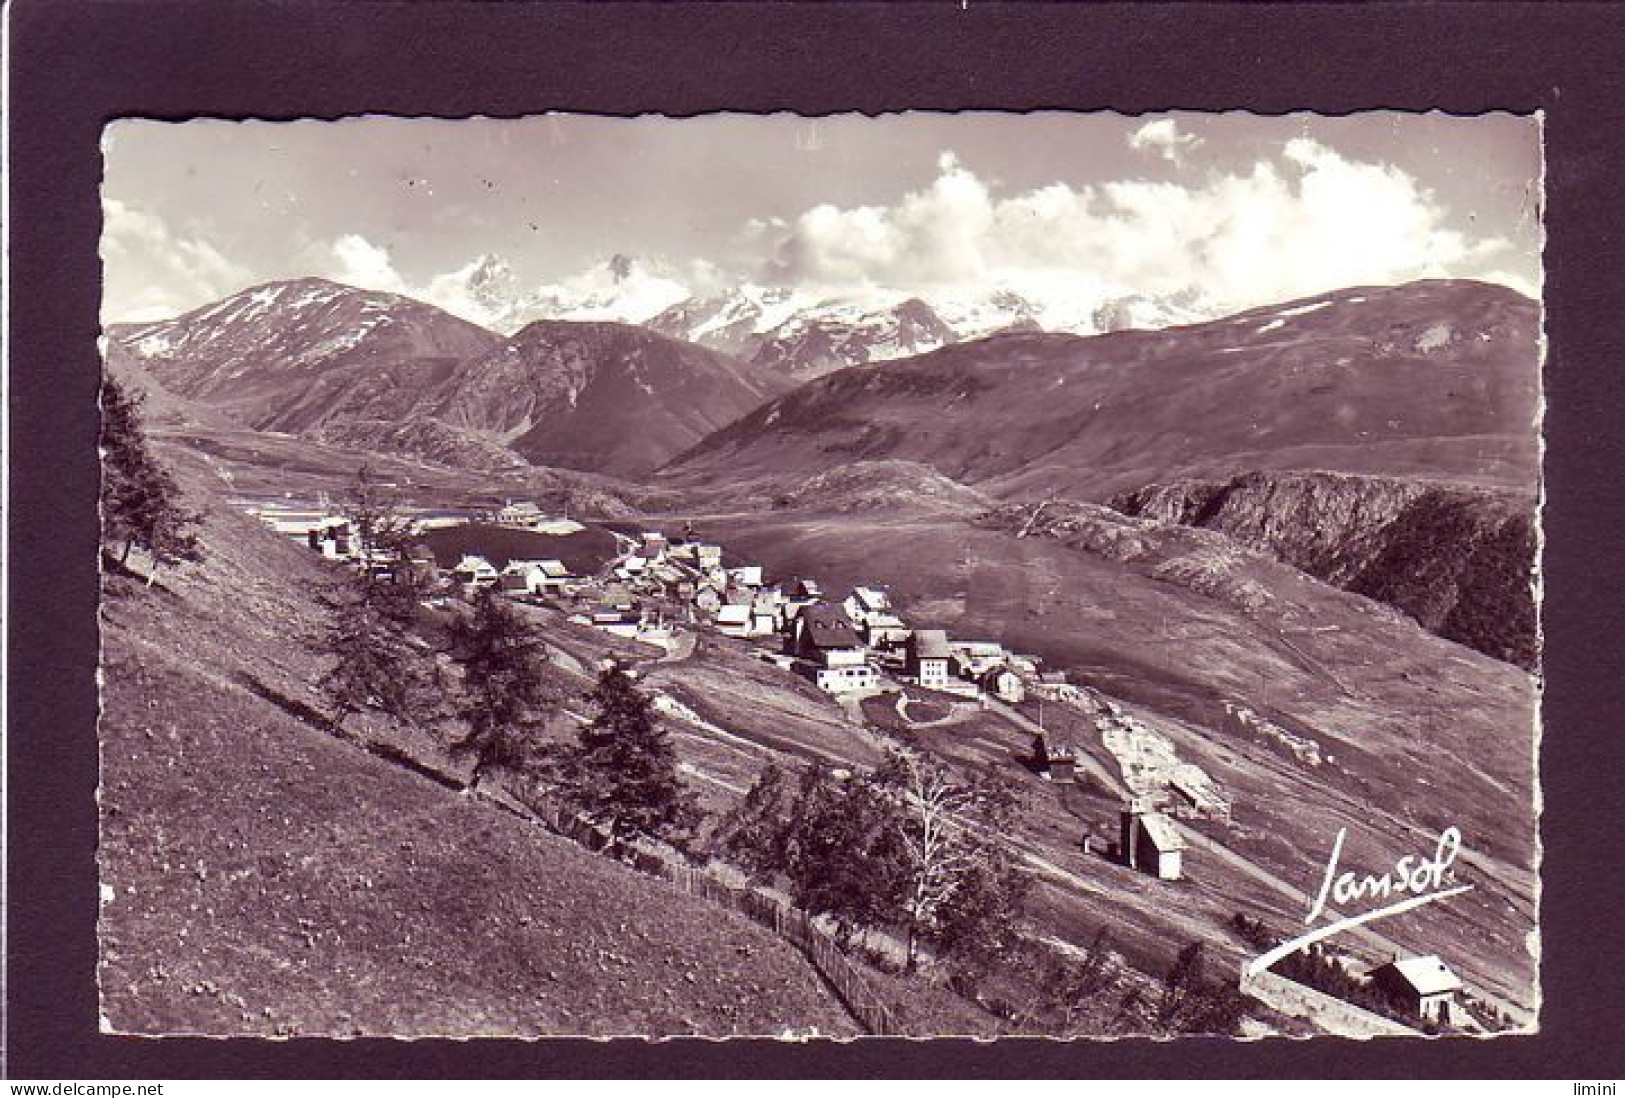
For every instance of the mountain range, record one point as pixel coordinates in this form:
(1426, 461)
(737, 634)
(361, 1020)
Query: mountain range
(801, 332)
(1430, 379)
(379, 371)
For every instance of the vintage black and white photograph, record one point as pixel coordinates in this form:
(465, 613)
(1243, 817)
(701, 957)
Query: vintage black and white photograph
(931, 574)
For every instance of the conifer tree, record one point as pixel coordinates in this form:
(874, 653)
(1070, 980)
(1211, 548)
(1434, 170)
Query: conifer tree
(140, 501)
(622, 770)
(376, 665)
(505, 697)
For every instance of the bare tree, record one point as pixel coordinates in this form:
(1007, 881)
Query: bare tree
(959, 878)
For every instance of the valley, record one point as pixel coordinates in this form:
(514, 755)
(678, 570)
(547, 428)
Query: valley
(1319, 514)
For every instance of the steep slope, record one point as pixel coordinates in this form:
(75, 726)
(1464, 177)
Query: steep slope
(292, 356)
(610, 398)
(259, 876)
(1436, 379)
(1459, 560)
(1410, 733)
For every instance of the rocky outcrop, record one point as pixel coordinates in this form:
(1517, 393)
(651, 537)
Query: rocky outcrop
(1458, 559)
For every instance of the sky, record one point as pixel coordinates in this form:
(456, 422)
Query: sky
(1238, 209)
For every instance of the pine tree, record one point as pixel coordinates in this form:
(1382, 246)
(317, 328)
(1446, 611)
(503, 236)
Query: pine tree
(843, 855)
(505, 697)
(376, 664)
(140, 501)
(834, 843)
(622, 770)
(382, 533)
(756, 832)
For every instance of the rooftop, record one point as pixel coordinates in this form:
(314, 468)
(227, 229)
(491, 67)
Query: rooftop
(828, 627)
(1162, 833)
(1427, 975)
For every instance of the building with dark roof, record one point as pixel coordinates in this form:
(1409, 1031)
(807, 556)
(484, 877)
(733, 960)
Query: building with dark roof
(929, 656)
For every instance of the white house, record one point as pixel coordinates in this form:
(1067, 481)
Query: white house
(1424, 985)
(885, 631)
(1003, 684)
(928, 658)
(524, 516)
(542, 577)
(979, 657)
(749, 575)
(736, 620)
(865, 602)
(1151, 843)
(475, 571)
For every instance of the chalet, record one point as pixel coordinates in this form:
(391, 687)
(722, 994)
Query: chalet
(1424, 986)
(749, 575)
(736, 620)
(928, 658)
(977, 658)
(1004, 684)
(555, 574)
(654, 546)
(708, 557)
(1151, 843)
(823, 635)
(1057, 762)
(632, 566)
(866, 601)
(885, 631)
(523, 516)
(541, 577)
(707, 598)
(474, 571)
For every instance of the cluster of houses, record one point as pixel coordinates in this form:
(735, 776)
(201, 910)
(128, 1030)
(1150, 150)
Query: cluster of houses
(516, 578)
(842, 645)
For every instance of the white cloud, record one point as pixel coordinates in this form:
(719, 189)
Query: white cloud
(1301, 222)
(1163, 137)
(151, 273)
(356, 261)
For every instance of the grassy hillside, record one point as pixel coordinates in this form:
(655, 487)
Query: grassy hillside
(261, 876)
(1421, 733)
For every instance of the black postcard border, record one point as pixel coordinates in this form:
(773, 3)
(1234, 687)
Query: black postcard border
(75, 65)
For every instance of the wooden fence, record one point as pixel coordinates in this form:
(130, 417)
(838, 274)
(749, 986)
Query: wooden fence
(789, 923)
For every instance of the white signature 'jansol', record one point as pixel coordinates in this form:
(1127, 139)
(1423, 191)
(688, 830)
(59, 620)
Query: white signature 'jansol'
(1418, 875)
(1415, 880)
